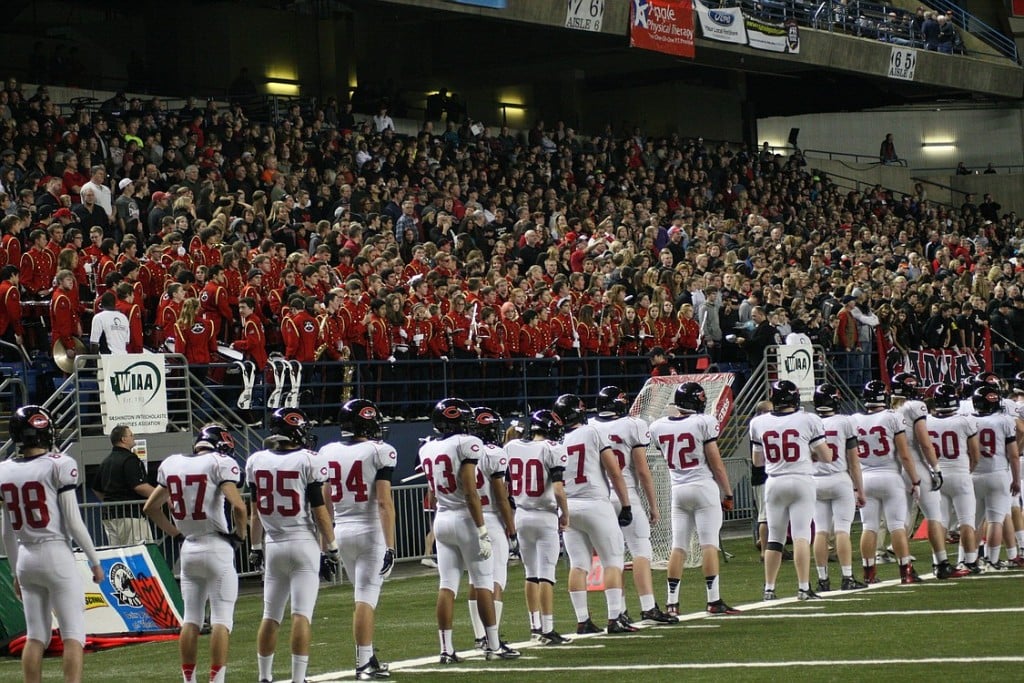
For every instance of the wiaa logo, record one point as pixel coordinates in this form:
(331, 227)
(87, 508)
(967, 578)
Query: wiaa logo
(721, 18)
(142, 378)
(799, 362)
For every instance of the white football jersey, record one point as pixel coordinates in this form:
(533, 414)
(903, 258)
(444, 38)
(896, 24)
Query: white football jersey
(623, 434)
(30, 489)
(966, 407)
(584, 475)
(279, 482)
(949, 435)
(786, 440)
(911, 412)
(530, 464)
(493, 463)
(876, 436)
(681, 440)
(441, 460)
(995, 432)
(352, 473)
(193, 485)
(839, 430)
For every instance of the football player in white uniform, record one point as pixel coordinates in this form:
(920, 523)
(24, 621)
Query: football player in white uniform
(40, 520)
(359, 470)
(1015, 528)
(590, 466)
(914, 414)
(195, 487)
(501, 525)
(536, 467)
(700, 490)
(629, 437)
(998, 463)
(287, 484)
(882, 448)
(787, 441)
(838, 490)
(463, 541)
(955, 440)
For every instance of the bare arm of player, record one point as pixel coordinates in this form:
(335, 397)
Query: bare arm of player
(973, 451)
(563, 505)
(714, 459)
(924, 444)
(853, 469)
(903, 453)
(255, 528)
(499, 491)
(154, 509)
(643, 475)
(239, 515)
(757, 455)
(467, 480)
(386, 508)
(820, 452)
(72, 518)
(323, 521)
(610, 464)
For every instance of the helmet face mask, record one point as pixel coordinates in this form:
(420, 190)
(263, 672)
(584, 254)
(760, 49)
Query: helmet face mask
(32, 427)
(487, 425)
(784, 394)
(986, 400)
(360, 418)
(452, 416)
(292, 425)
(611, 399)
(215, 437)
(691, 397)
(826, 399)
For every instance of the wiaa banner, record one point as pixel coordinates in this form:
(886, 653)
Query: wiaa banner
(134, 392)
(662, 26)
(732, 25)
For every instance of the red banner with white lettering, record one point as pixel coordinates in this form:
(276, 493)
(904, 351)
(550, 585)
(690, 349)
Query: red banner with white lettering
(1018, 8)
(663, 26)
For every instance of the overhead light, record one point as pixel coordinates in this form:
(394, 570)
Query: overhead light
(939, 145)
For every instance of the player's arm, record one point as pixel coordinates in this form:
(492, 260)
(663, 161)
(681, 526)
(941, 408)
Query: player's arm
(903, 453)
(1013, 458)
(255, 524)
(853, 469)
(820, 452)
(239, 514)
(72, 518)
(558, 488)
(386, 508)
(154, 509)
(499, 492)
(924, 443)
(643, 475)
(973, 451)
(315, 494)
(610, 465)
(467, 479)
(713, 457)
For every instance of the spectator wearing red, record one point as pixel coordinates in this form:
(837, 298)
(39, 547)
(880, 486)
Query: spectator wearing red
(10, 240)
(253, 342)
(133, 311)
(214, 302)
(299, 330)
(194, 338)
(168, 311)
(11, 329)
(37, 267)
(65, 318)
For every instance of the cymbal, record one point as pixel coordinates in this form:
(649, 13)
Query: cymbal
(65, 360)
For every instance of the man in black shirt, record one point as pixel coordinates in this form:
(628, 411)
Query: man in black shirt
(123, 479)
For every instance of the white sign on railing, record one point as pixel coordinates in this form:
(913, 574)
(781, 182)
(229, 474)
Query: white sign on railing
(902, 63)
(584, 15)
(796, 363)
(133, 392)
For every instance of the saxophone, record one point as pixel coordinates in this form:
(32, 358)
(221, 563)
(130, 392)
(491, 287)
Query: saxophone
(346, 387)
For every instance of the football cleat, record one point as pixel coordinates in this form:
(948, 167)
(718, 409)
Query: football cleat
(658, 617)
(908, 575)
(450, 658)
(824, 585)
(997, 566)
(372, 670)
(870, 575)
(625, 619)
(852, 584)
(587, 626)
(804, 595)
(480, 644)
(719, 607)
(972, 569)
(616, 626)
(769, 594)
(1016, 562)
(503, 652)
(535, 634)
(554, 638)
(672, 609)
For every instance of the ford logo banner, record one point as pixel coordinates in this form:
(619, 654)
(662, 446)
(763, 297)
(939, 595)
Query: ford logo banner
(721, 18)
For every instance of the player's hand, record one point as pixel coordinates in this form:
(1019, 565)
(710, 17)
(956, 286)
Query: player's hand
(256, 559)
(655, 516)
(626, 515)
(860, 500)
(389, 563)
(728, 504)
(513, 544)
(936, 477)
(97, 574)
(485, 542)
(1015, 488)
(329, 562)
(563, 522)
(915, 490)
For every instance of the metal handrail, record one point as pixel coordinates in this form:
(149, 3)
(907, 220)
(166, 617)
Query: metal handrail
(943, 186)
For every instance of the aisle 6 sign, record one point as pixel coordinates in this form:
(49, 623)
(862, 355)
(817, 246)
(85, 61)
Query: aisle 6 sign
(902, 63)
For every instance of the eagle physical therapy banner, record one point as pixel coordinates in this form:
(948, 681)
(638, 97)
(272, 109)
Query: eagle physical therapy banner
(732, 25)
(662, 26)
(133, 392)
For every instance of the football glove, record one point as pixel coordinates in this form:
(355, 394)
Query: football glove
(485, 542)
(936, 477)
(256, 559)
(728, 503)
(513, 545)
(389, 563)
(329, 562)
(626, 515)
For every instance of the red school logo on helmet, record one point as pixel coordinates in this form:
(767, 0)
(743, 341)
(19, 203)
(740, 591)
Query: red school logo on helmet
(39, 421)
(294, 419)
(452, 412)
(368, 413)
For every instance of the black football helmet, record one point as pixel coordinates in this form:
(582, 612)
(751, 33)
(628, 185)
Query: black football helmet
(965, 387)
(946, 398)
(570, 408)
(291, 424)
(487, 425)
(547, 424)
(986, 400)
(983, 379)
(784, 394)
(690, 396)
(1017, 383)
(452, 416)
(214, 437)
(826, 399)
(906, 385)
(32, 427)
(359, 418)
(875, 395)
(611, 399)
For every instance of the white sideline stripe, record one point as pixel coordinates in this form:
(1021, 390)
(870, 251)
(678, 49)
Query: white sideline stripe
(804, 607)
(893, 613)
(723, 665)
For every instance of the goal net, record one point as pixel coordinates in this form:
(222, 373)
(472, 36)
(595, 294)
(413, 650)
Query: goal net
(652, 402)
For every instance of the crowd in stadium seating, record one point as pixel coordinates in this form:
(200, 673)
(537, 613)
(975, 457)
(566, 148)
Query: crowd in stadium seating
(326, 237)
